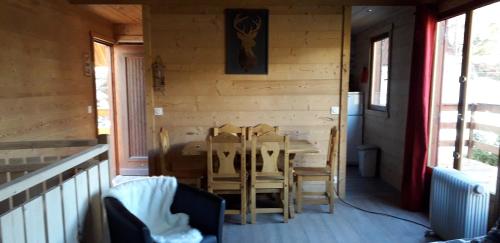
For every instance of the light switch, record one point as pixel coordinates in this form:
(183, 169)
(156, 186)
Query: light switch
(158, 111)
(334, 110)
(89, 109)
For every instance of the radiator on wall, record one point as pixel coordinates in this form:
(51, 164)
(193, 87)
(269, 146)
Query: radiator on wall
(458, 205)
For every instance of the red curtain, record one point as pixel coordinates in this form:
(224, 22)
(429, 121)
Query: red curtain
(415, 172)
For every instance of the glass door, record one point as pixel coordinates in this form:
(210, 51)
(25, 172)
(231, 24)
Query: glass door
(481, 138)
(446, 86)
(465, 116)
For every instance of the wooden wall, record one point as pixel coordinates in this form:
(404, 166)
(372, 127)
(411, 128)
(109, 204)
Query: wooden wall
(44, 93)
(303, 82)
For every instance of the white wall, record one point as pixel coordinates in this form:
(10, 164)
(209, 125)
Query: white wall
(387, 130)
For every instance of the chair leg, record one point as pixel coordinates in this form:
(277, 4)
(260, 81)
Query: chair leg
(253, 205)
(299, 194)
(243, 208)
(331, 195)
(285, 203)
(291, 197)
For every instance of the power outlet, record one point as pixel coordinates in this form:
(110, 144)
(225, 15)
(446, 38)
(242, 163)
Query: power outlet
(90, 109)
(334, 110)
(158, 111)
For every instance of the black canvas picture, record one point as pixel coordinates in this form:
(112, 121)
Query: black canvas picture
(246, 41)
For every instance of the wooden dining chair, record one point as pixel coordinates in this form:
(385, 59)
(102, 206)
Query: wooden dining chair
(325, 174)
(192, 177)
(230, 128)
(224, 176)
(261, 129)
(272, 176)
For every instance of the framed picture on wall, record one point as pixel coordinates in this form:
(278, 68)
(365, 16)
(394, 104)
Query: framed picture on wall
(246, 41)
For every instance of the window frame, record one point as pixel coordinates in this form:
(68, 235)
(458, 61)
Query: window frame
(374, 39)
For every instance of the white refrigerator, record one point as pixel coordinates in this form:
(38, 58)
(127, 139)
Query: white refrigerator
(354, 126)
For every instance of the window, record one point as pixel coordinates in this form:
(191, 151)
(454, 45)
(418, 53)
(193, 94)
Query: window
(465, 116)
(379, 72)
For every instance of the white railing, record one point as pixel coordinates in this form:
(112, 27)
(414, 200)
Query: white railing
(70, 211)
(20, 158)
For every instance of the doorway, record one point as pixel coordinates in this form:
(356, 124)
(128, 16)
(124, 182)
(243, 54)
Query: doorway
(131, 113)
(103, 86)
(380, 63)
(120, 90)
(104, 94)
(120, 105)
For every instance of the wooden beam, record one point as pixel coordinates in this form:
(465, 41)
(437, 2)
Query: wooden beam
(153, 146)
(128, 33)
(344, 88)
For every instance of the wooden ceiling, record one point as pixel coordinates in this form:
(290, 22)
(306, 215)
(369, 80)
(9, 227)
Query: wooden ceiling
(117, 14)
(364, 17)
(264, 2)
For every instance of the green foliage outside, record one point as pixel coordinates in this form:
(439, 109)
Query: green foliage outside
(485, 157)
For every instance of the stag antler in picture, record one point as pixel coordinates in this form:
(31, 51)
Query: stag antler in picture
(246, 31)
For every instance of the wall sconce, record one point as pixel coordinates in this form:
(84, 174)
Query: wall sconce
(158, 74)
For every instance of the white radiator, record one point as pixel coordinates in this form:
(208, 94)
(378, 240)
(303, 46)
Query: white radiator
(458, 205)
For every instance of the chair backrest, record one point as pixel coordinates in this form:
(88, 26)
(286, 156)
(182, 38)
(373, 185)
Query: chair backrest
(269, 146)
(123, 225)
(164, 148)
(227, 148)
(164, 141)
(261, 129)
(229, 128)
(332, 148)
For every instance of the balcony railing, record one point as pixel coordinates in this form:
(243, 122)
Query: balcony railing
(473, 125)
(68, 206)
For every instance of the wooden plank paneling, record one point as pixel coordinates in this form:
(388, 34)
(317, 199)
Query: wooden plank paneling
(105, 183)
(34, 221)
(303, 82)
(95, 203)
(136, 104)
(82, 199)
(12, 225)
(118, 14)
(54, 214)
(44, 93)
(70, 211)
(249, 118)
(104, 180)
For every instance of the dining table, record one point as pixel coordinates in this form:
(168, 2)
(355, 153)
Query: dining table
(301, 146)
(196, 148)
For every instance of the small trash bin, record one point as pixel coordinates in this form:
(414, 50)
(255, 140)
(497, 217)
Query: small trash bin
(367, 155)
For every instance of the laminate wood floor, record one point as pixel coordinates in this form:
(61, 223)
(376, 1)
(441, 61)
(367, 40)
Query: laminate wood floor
(345, 225)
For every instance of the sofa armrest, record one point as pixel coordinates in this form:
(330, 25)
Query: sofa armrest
(205, 210)
(123, 225)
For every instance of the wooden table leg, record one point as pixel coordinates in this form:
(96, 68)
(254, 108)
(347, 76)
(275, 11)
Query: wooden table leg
(291, 195)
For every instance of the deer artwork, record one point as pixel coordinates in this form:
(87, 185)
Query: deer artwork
(246, 57)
